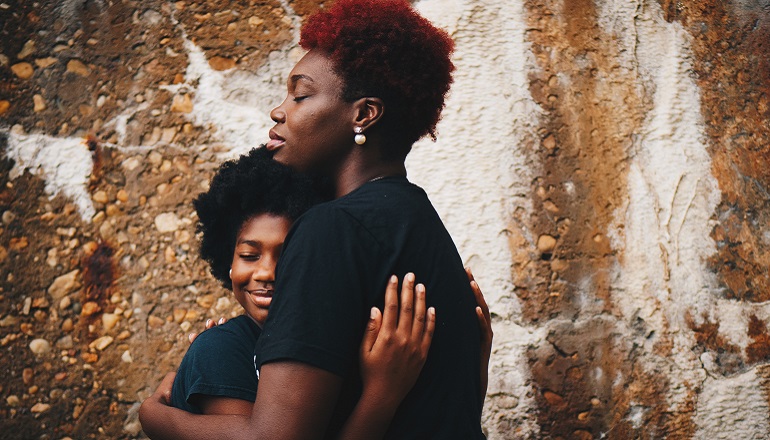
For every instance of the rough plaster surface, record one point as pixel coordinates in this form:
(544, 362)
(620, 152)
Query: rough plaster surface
(600, 165)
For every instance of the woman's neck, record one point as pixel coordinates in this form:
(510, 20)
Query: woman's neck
(353, 176)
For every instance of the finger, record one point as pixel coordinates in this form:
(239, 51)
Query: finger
(209, 323)
(480, 299)
(418, 324)
(407, 304)
(427, 336)
(191, 337)
(165, 387)
(372, 330)
(469, 273)
(222, 321)
(390, 311)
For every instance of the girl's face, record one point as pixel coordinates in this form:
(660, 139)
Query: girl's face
(313, 129)
(257, 248)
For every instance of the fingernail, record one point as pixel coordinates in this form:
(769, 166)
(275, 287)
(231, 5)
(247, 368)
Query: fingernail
(410, 277)
(190, 337)
(208, 322)
(420, 288)
(431, 311)
(373, 313)
(393, 279)
(221, 321)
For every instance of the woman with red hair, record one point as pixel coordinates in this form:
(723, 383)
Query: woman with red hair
(372, 83)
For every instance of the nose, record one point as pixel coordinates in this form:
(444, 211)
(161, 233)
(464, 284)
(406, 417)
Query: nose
(265, 270)
(277, 114)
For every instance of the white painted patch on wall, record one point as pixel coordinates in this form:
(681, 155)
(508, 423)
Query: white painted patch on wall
(732, 408)
(477, 173)
(235, 104)
(665, 232)
(65, 164)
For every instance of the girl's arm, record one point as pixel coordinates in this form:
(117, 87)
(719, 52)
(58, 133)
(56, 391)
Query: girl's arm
(393, 353)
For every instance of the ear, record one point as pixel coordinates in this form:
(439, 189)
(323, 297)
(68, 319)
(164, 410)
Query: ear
(368, 111)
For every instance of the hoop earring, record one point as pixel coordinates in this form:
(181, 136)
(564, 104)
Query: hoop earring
(360, 138)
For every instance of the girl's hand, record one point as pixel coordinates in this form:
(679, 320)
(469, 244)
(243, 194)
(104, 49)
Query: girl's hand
(485, 326)
(396, 342)
(209, 324)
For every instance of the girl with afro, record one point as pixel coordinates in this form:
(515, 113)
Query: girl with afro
(243, 219)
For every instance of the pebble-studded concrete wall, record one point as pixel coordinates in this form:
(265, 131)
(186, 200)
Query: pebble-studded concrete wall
(601, 165)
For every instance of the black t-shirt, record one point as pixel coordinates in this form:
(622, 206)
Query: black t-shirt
(220, 362)
(334, 268)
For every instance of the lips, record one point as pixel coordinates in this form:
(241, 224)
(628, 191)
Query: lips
(260, 297)
(275, 141)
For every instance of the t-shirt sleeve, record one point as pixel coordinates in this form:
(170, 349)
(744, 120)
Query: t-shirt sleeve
(323, 280)
(219, 364)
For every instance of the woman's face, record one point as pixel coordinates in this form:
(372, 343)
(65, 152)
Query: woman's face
(257, 248)
(313, 129)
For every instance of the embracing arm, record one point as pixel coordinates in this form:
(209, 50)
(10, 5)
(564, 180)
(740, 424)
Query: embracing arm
(293, 402)
(393, 352)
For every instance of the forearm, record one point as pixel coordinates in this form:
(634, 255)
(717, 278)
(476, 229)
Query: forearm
(370, 418)
(163, 422)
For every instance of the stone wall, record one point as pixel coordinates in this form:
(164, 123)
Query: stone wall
(601, 164)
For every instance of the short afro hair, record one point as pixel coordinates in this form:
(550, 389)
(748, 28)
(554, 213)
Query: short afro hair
(253, 184)
(385, 49)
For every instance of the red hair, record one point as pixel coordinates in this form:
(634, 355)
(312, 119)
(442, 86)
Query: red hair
(385, 49)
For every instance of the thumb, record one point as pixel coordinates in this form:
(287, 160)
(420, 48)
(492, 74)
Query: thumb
(372, 330)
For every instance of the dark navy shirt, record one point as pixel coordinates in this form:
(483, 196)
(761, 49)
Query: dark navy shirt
(220, 362)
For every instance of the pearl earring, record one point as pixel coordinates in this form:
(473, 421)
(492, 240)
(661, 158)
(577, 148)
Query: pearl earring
(360, 138)
(231, 272)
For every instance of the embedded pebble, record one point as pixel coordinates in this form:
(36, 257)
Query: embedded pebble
(8, 217)
(89, 308)
(546, 243)
(23, 70)
(205, 301)
(109, 320)
(101, 343)
(65, 303)
(4, 106)
(40, 408)
(65, 342)
(126, 357)
(182, 104)
(45, 62)
(9, 321)
(64, 284)
(38, 103)
(179, 315)
(27, 50)
(27, 375)
(12, 401)
(100, 197)
(155, 322)
(67, 325)
(167, 222)
(39, 346)
(77, 67)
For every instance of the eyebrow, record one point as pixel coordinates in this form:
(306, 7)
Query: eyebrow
(254, 243)
(295, 78)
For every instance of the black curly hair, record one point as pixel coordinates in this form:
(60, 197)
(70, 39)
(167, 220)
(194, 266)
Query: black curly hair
(251, 185)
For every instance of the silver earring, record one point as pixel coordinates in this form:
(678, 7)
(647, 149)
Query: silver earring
(360, 138)
(231, 272)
